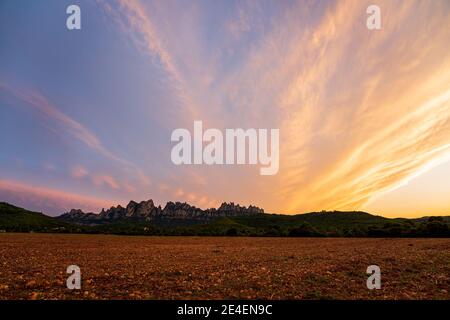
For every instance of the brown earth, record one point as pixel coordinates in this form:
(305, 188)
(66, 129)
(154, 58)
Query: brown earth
(33, 266)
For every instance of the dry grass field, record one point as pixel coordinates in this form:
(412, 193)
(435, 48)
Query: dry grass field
(33, 266)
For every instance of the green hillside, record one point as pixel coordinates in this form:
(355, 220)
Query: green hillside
(15, 219)
(309, 224)
(323, 221)
(321, 224)
(316, 224)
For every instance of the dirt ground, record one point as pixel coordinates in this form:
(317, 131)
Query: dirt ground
(33, 266)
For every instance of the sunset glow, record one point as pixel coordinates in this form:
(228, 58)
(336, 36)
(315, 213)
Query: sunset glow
(363, 115)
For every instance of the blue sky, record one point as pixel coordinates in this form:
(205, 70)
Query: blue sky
(86, 115)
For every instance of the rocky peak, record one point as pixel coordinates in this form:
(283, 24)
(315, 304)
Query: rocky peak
(146, 210)
(75, 214)
(235, 209)
(142, 209)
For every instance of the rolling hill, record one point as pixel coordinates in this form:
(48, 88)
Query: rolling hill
(17, 219)
(228, 220)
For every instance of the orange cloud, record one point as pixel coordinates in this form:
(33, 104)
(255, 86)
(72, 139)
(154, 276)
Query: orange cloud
(358, 111)
(373, 137)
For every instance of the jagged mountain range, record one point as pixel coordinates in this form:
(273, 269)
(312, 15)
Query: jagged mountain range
(147, 211)
(177, 219)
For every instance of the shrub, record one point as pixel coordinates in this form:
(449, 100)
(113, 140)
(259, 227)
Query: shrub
(232, 232)
(305, 230)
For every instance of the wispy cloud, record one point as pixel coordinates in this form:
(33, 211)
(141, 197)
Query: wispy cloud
(48, 200)
(360, 112)
(72, 127)
(101, 180)
(364, 124)
(78, 171)
(132, 18)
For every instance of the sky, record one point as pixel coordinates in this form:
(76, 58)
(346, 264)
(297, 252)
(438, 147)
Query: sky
(86, 115)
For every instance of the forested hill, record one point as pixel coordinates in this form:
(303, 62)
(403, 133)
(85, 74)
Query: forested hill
(227, 220)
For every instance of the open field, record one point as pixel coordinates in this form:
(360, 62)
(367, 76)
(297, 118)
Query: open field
(32, 266)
